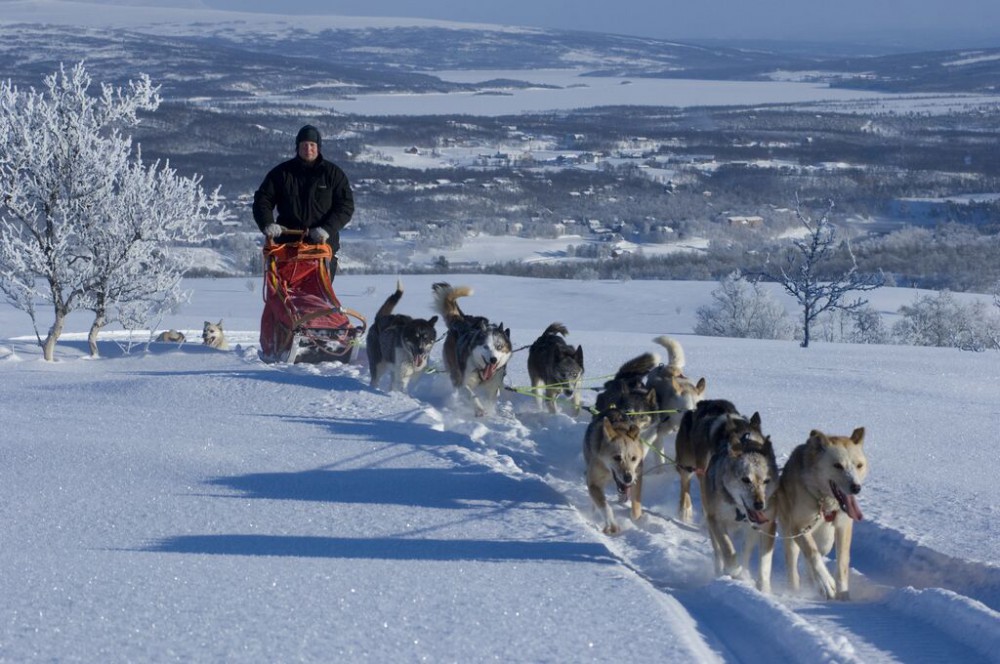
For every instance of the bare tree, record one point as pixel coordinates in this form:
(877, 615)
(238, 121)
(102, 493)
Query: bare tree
(59, 150)
(800, 271)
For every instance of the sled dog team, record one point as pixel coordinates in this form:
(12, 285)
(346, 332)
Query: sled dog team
(745, 498)
(810, 505)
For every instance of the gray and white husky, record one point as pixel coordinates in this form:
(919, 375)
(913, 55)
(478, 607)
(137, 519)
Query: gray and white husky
(398, 344)
(738, 497)
(817, 506)
(555, 367)
(475, 352)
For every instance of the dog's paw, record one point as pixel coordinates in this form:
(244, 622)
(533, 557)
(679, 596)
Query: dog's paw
(612, 529)
(843, 596)
(827, 590)
(735, 571)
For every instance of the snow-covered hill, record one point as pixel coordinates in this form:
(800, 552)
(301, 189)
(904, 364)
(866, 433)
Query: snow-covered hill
(182, 503)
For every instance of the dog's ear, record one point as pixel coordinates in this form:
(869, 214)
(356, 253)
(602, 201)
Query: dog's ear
(633, 431)
(579, 356)
(817, 439)
(219, 323)
(700, 387)
(755, 420)
(858, 436)
(433, 320)
(609, 430)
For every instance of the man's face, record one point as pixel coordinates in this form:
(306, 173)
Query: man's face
(308, 151)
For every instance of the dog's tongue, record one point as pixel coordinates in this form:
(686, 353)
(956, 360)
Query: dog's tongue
(848, 502)
(489, 370)
(419, 360)
(756, 517)
(853, 509)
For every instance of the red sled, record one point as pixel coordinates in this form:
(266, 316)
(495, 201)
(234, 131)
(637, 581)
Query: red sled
(303, 321)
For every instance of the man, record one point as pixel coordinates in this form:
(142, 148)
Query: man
(310, 193)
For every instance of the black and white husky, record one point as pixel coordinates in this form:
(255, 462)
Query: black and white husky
(398, 344)
(475, 350)
(555, 368)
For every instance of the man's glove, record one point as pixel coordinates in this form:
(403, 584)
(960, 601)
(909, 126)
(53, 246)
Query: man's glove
(272, 230)
(318, 235)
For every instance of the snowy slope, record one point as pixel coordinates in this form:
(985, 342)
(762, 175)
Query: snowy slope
(181, 503)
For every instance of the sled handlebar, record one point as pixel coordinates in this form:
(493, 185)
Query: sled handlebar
(285, 230)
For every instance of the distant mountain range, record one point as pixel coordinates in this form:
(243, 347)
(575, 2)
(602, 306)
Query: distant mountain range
(228, 56)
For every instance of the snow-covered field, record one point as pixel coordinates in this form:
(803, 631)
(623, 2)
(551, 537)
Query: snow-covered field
(179, 503)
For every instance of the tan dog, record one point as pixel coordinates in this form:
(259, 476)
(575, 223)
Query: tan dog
(212, 335)
(675, 393)
(612, 450)
(171, 336)
(817, 507)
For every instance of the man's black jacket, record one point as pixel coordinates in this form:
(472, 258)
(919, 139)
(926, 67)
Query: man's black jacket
(305, 196)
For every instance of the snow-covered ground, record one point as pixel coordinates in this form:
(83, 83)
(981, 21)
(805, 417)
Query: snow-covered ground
(183, 504)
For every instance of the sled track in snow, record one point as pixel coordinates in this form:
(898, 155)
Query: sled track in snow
(894, 582)
(953, 604)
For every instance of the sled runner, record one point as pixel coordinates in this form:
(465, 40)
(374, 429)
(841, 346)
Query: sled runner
(303, 321)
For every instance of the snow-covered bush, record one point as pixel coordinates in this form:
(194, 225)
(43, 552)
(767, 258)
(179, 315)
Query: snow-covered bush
(741, 308)
(941, 320)
(859, 326)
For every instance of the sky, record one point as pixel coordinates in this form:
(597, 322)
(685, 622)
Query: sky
(912, 21)
(186, 504)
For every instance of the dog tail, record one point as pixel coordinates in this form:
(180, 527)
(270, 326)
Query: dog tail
(390, 303)
(636, 368)
(446, 300)
(675, 353)
(556, 328)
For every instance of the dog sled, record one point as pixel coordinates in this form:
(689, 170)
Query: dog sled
(303, 321)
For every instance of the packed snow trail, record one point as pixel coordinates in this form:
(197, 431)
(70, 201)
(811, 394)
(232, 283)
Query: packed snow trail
(739, 623)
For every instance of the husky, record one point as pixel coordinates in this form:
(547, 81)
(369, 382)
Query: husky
(817, 507)
(627, 392)
(701, 432)
(212, 335)
(398, 344)
(676, 394)
(612, 450)
(555, 367)
(171, 336)
(475, 350)
(738, 498)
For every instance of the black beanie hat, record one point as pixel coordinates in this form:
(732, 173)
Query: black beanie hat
(308, 133)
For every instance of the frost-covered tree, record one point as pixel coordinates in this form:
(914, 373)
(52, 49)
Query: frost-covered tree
(59, 148)
(804, 271)
(152, 210)
(83, 225)
(742, 308)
